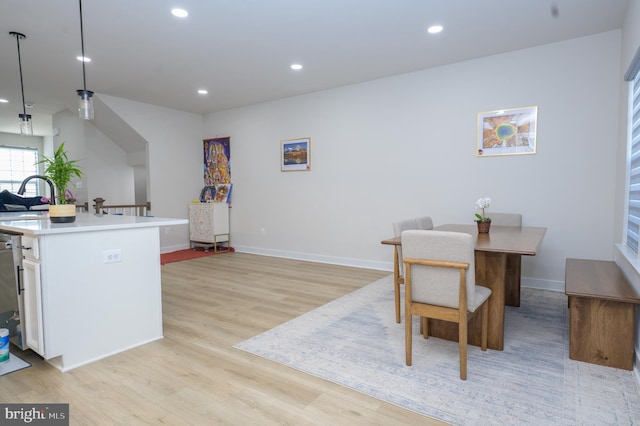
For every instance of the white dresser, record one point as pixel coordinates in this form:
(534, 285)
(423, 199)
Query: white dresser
(209, 225)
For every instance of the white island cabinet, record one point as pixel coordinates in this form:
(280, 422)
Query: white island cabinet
(92, 287)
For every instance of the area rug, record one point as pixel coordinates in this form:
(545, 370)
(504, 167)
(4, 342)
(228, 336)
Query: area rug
(15, 363)
(177, 256)
(354, 341)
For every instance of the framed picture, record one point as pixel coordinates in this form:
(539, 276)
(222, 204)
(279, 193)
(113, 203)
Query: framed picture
(223, 193)
(217, 161)
(507, 132)
(295, 155)
(208, 194)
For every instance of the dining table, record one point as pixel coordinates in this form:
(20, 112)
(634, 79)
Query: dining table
(497, 266)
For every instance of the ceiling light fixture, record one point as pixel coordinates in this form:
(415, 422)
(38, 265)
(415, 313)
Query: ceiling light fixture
(83, 59)
(26, 127)
(203, 91)
(3, 101)
(86, 102)
(296, 67)
(435, 29)
(179, 13)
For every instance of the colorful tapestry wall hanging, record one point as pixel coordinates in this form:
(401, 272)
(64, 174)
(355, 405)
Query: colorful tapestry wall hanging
(217, 164)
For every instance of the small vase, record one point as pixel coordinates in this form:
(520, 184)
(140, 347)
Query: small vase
(483, 226)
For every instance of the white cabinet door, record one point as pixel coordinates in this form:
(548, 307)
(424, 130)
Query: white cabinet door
(32, 321)
(209, 222)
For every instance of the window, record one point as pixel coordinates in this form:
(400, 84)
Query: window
(16, 164)
(633, 210)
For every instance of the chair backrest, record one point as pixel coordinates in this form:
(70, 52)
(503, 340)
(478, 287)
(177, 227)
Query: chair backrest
(404, 225)
(437, 285)
(506, 219)
(422, 222)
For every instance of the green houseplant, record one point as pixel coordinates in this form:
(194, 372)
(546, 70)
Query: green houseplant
(59, 169)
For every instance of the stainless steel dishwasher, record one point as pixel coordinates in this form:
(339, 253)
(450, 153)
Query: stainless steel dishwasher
(11, 292)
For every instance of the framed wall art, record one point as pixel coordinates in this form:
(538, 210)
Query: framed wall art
(507, 132)
(208, 194)
(295, 155)
(217, 160)
(223, 193)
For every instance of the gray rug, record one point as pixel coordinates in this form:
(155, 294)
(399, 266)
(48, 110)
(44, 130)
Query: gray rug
(354, 341)
(15, 363)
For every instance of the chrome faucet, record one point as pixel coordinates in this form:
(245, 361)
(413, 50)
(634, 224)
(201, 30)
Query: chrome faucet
(23, 186)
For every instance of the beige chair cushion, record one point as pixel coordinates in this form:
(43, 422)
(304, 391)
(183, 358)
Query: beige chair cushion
(440, 286)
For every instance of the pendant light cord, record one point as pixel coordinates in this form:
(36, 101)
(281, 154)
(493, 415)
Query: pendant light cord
(18, 35)
(84, 78)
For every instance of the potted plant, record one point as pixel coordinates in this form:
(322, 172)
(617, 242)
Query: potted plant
(484, 222)
(59, 169)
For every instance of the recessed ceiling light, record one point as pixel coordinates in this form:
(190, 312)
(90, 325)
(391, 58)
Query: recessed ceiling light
(203, 91)
(180, 13)
(3, 101)
(83, 58)
(434, 29)
(296, 67)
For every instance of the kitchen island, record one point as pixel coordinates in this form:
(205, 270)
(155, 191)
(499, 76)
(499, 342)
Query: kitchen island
(92, 288)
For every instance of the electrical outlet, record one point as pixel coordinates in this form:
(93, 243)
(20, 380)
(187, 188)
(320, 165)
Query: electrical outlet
(112, 256)
(263, 232)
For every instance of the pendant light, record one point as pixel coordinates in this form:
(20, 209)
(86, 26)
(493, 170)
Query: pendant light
(86, 102)
(26, 127)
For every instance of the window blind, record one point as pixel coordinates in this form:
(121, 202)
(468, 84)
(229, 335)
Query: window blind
(633, 211)
(16, 164)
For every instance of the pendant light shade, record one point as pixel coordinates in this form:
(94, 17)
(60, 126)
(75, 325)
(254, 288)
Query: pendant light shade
(85, 110)
(26, 127)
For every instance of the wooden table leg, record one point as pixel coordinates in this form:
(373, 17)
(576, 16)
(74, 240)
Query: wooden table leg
(512, 289)
(490, 272)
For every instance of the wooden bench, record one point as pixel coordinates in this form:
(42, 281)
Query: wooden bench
(601, 313)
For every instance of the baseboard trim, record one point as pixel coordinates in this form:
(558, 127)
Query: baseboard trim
(356, 263)
(382, 266)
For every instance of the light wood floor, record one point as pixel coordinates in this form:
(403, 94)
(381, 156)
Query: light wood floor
(194, 375)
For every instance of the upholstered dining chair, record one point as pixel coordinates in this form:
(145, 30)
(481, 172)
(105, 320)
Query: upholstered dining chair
(422, 222)
(506, 219)
(440, 284)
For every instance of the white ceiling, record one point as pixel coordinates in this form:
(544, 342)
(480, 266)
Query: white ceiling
(241, 50)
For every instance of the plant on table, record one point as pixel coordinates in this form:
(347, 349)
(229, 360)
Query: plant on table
(482, 204)
(60, 170)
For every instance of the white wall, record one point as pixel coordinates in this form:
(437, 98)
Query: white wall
(11, 139)
(72, 134)
(110, 175)
(175, 161)
(107, 173)
(404, 146)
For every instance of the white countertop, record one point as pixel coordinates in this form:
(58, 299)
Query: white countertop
(38, 223)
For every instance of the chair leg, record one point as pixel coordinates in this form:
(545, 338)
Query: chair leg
(407, 336)
(396, 280)
(424, 327)
(462, 342)
(485, 325)
(396, 289)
